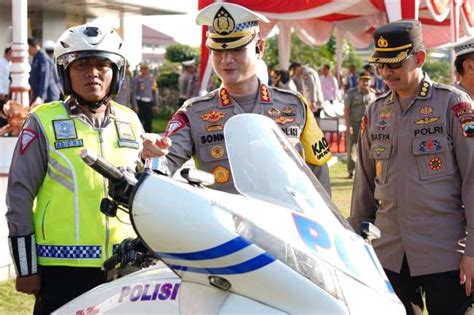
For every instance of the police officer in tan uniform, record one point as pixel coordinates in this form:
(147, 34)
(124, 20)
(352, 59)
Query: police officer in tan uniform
(464, 64)
(355, 103)
(145, 96)
(308, 83)
(414, 177)
(196, 130)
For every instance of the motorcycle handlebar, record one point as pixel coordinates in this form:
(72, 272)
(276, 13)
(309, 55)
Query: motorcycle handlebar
(102, 166)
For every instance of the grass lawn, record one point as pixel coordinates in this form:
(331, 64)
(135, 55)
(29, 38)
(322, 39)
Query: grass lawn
(12, 302)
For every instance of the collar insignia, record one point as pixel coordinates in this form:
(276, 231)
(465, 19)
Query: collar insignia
(264, 94)
(224, 97)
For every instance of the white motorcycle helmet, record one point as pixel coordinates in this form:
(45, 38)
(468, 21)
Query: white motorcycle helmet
(90, 40)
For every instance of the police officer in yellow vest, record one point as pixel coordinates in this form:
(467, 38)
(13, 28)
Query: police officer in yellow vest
(196, 130)
(58, 237)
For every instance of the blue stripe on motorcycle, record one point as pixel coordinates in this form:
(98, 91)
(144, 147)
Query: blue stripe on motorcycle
(247, 266)
(225, 249)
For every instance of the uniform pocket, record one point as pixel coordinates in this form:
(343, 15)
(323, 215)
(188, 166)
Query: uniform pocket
(433, 157)
(380, 152)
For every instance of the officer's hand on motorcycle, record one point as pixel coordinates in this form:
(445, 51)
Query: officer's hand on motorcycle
(466, 274)
(154, 145)
(29, 284)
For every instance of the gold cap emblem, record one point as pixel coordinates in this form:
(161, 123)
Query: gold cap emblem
(223, 23)
(382, 42)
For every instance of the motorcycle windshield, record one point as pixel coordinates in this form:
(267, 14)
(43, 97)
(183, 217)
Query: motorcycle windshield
(315, 240)
(267, 167)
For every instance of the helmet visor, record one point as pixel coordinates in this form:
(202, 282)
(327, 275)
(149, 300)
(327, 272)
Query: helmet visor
(67, 59)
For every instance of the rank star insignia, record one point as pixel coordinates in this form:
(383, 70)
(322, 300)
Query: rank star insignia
(283, 120)
(213, 116)
(264, 95)
(224, 97)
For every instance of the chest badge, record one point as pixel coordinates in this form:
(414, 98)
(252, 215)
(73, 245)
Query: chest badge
(435, 164)
(221, 174)
(283, 120)
(213, 116)
(273, 112)
(64, 129)
(426, 110)
(126, 135)
(288, 111)
(217, 151)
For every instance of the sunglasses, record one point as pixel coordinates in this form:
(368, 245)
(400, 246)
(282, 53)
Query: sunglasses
(391, 66)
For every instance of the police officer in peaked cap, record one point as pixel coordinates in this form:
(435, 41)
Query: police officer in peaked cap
(196, 129)
(415, 177)
(464, 64)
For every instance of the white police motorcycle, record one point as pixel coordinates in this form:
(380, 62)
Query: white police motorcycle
(280, 246)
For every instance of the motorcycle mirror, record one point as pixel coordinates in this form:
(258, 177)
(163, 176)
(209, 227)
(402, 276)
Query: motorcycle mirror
(197, 177)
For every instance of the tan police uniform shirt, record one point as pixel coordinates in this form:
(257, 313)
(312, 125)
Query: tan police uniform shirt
(356, 102)
(462, 88)
(415, 178)
(197, 130)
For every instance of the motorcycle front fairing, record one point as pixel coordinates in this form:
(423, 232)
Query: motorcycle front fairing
(279, 246)
(280, 242)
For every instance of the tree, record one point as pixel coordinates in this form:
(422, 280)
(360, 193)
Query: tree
(180, 53)
(438, 69)
(315, 56)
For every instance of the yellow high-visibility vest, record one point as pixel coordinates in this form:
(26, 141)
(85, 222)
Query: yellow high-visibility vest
(70, 230)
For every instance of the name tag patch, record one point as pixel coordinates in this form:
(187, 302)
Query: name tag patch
(68, 144)
(125, 134)
(125, 131)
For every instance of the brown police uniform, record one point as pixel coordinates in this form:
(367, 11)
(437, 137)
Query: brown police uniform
(415, 176)
(414, 179)
(197, 130)
(356, 102)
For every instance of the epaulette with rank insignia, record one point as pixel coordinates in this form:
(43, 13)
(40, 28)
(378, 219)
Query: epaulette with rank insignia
(194, 100)
(285, 91)
(450, 88)
(384, 95)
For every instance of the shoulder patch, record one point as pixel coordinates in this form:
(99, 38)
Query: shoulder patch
(27, 137)
(177, 122)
